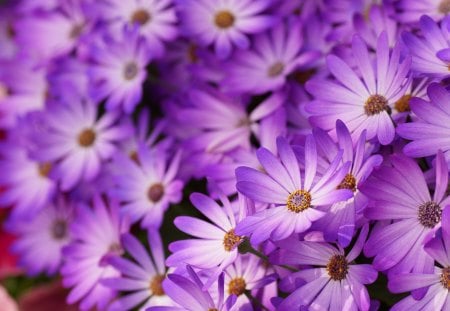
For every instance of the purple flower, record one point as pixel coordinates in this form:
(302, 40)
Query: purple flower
(41, 239)
(96, 235)
(339, 224)
(434, 285)
(274, 55)
(190, 295)
(216, 245)
(224, 24)
(399, 192)
(410, 11)
(146, 184)
(220, 124)
(361, 104)
(429, 131)
(296, 202)
(247, 273)
(74, 138)
(118, 71)
(156, 20)
(330, 280)
(22, 89)
(430, 54)
(27, 185)
(141, 277)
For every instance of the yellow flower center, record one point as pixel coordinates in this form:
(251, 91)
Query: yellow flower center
(298, 201)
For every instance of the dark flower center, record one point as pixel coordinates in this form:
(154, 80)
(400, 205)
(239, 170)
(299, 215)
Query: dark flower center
(337, 267)
(86, 138)
(130, 71)
(44, 169)
(155, 192)
(375, 104)
(192, 53)
(445, 277)
(402, 105)
(156, 285)
(275, 70)
(59, 229)
(237, 286)
(231, 240)
(298, 201)
(349, 182)
(10, 31)
(141, 17)
(76, 31)
(224, 19)
(444, 7)
(429, 214)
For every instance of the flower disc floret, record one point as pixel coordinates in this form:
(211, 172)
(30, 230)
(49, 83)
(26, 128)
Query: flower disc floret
(237, 286)
(337, 267)
(231, 240)
(375, 104)
(156, 285)
(298, 201)
(87, 138)
(429, 214)
(224, 19)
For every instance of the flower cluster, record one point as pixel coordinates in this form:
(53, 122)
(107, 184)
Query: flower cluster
(162, 155)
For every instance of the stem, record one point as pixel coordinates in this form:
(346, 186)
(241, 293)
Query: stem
(255, 301)
(245, 247)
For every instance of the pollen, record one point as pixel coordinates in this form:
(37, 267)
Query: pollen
(376, 104)
(130, 71)
(444, 7)
(86, 138)
(224, 19)
(76, 31)
(156, 285)
(231, 240)
(349, 182)
(155, 192)
(275, 70)
(337, 267)
(59, 229)
(402, 105)
(237, 286)
(445, 277)
(44, 169)
(299, 201)
(429, 214)
(141, 17)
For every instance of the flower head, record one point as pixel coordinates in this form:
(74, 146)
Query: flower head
(295, 199)
(361, 103)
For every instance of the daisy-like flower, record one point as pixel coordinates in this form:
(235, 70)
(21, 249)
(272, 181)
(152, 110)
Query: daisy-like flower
(430, 54)
(78, 141)
(429, 131)
(224, 24)
(297, 202)
(436, 283)
(216, 246)
(274, 55)
(118, 70)
(23, 89)
(410, 11)
(220, 124)
(156, 20)
(96, 233)
(141, 277)
(400, 192)
(247, 273)
(331, 281)
(189, 294)
(339, 224)
(50, 228)
(26, 183)
(361, 104)
(146, 184)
